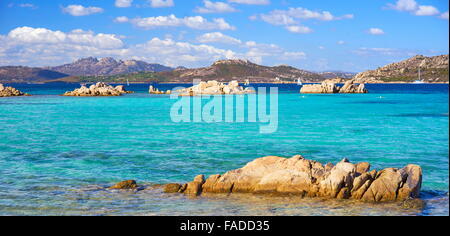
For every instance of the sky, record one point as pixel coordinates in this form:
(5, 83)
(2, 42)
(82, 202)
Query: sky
(325, 35)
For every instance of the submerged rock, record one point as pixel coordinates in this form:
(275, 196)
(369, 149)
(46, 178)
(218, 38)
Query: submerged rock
(98, 89)
(328, 87)
(125, 185)
(308, 178)
(214, 88)
(10, 92)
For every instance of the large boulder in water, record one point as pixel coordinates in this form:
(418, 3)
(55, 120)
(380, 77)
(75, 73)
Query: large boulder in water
(10, 92)
(308, 178)
(98, 89)
(214, 88)
(329, 87)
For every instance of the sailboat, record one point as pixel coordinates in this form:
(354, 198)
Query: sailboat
(128, 83)
(419, 81)
(299, 81)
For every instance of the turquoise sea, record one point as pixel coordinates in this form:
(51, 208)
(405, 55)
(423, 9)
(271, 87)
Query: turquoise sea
(55, 152)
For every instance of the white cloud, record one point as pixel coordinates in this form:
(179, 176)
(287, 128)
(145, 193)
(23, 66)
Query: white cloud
(123, 3)
(218, 37)
(444, 15)
(426, 11)
(251, 2)
(28, 5)
(321, 47)
(414, 8)
(23, 45)
(283, 17)
(291, 18)
(215, 7)
(78, 10)
(161, 3)
(194, 22)
(340, 42)
(375, 31)
(121, 19)
(299, 29)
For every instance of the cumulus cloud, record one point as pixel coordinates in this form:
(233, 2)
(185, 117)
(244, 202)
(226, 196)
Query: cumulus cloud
(161, 3)
(79, 10)
(123, 3)
(298, 29)
(291, 18)
(21, 46)
(251, 2)
(215, 7)
(218, 37)
(194, 22)
(414, 8)
(375, 31)
(444, 16)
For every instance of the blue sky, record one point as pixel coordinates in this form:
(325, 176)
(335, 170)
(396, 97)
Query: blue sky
(347, 35)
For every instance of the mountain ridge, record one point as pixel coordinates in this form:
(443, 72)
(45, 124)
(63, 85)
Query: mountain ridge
(433, 69)
(107, 66)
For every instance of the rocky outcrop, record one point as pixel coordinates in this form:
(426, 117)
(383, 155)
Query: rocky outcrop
(433, 69)
(10, 92)
(153, 90)
(214, 88)
(125, 185)
(307, 178)
(327, 87)
(98, 89)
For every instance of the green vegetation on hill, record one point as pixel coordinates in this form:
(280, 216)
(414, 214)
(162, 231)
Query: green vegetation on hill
(134, 77)
(429, 75)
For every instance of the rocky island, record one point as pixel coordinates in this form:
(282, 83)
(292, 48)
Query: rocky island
(96, 90)
(10, 92)
(214, 88)
(350, 86)
(153, 90)
(307, 178)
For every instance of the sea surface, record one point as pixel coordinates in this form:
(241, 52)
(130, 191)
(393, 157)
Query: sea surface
(56, 153)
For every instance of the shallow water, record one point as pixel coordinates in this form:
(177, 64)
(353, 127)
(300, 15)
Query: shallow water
(53, 148)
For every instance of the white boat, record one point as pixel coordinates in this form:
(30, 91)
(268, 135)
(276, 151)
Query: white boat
(247, 82)
(419, 81)
(299, 82)
(128, 83)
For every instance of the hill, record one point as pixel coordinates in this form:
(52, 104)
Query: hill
(433, 69)
(107, 66)
(241, 70)
(23, 74)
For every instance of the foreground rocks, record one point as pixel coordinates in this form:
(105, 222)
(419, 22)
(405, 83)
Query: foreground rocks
(214, 88)
(98, 89)
(350, 86)
(153, 90)
(306, 178)
(10, 92)
(125, 185)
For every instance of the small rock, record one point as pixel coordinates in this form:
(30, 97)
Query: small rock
(124, 185)
(172, 188)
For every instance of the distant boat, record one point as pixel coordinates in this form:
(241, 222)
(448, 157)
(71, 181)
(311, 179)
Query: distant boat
(128, 83)
(247, 82)
(299, 82)
(419, 81)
